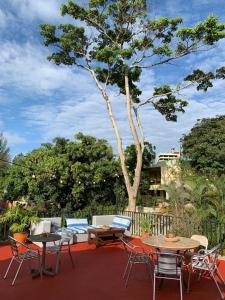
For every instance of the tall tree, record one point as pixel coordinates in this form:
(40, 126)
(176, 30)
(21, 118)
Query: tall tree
(4, 163)
(114, 41)
(4, 152)
(204, 146)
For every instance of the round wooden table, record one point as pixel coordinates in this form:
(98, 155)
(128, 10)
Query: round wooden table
(158, 242)
(44, 239)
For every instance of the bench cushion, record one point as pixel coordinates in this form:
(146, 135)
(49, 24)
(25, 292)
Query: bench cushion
(121, 222)
(77, 225)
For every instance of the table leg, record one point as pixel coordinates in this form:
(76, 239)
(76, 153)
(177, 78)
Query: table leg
(44, 270)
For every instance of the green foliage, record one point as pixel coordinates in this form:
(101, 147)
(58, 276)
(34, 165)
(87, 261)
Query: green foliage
(81, 172)
(168, 105)
(148, 158)
(195, 200)
(216, 199)
(19, 218)
(146, 224)
(204, 146)
(4, 163)
(4, 152)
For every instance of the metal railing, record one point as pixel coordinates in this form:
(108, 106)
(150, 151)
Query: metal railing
(160, 223)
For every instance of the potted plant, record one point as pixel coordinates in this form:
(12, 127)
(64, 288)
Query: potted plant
(18, 219)
(145, 226)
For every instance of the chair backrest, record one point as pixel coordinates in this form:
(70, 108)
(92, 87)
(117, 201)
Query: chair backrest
(121, 222)
(213, 254)
(14, 244)
(167, 263)
(201, 239)
(130, 247)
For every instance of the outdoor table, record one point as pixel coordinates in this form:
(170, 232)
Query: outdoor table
(182, 244)
(100, 236)
(44, 239)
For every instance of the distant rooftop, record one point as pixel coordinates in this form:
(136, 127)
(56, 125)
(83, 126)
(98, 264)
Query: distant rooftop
(173, 155)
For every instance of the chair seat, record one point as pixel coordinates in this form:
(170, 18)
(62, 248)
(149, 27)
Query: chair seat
(140, 259)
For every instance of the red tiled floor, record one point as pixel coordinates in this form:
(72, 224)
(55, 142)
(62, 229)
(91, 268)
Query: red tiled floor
(97, 276)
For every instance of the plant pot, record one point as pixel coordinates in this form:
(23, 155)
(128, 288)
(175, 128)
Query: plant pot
(20, 236)
(145, 234)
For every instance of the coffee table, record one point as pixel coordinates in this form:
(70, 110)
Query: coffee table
(44, 239)
(100, 236)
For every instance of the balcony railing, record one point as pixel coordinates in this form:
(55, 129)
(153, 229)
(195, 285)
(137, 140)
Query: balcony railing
(161, 223)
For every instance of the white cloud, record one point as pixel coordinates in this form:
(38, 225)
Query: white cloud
(37, 9)
(25, 67)
(13, 138)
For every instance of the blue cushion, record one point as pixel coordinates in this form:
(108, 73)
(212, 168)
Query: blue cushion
(121, 222)
(78, 228)
(77, 225)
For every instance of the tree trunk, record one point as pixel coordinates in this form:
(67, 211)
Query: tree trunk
(131, 200)
(133, 190)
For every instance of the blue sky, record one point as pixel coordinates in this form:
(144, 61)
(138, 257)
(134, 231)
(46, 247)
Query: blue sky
(39, 101)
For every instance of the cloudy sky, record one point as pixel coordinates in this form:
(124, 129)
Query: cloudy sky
(39, 101)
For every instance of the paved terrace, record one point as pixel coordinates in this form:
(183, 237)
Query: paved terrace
(97, 276)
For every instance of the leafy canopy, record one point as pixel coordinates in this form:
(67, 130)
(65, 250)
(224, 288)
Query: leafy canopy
(66, 172)
(117, 38)
(204, 146)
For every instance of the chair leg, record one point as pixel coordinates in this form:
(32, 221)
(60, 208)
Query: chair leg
(57, 262)
(9, 266)
(189, 280)
(40, 266)
(217, 285)
(181, 287)
(71, 258)
(128, 275)
(125, 271)
(153, 297)
(17, 272)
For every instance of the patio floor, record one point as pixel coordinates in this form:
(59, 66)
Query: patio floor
(97, 276)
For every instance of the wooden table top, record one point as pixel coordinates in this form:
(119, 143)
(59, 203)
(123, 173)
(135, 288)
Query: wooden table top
(159, 243)
(110, 230)
(45, 238)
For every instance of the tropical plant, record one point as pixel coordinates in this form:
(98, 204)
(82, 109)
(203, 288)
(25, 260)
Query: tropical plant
(146, 224)
(196, 200)
(183, 208)
(216, 199)
(114, 41)
(19, 218)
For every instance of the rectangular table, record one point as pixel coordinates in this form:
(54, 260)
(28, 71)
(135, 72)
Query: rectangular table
(100, 236)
